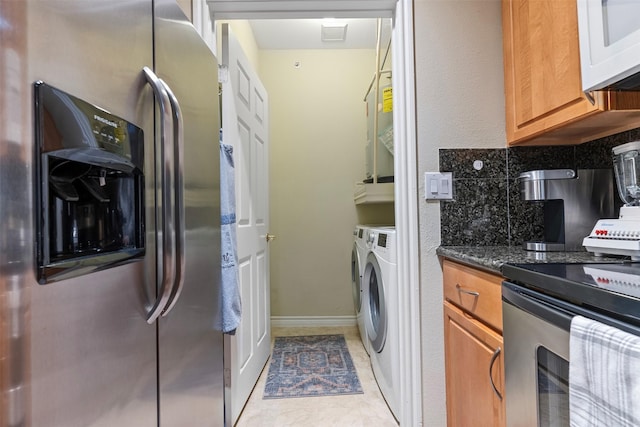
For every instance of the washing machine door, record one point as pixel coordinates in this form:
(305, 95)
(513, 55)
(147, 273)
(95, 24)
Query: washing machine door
(377, 315)
(356, 281)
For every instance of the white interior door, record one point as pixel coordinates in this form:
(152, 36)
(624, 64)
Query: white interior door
(245, 125)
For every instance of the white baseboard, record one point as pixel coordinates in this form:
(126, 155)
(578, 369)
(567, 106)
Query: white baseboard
(312, 321)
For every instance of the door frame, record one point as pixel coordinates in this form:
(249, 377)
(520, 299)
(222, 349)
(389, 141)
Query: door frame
(405, 159)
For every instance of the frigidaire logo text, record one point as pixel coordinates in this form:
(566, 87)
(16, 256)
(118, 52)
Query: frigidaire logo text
(105, 121)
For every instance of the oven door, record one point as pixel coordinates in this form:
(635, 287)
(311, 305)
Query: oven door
(536, 351)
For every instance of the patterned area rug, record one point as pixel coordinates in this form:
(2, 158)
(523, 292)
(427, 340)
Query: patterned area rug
(314, 365)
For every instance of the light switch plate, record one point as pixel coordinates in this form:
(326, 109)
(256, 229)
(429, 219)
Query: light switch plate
(438, 185)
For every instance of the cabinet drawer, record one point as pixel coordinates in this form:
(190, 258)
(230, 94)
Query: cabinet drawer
(475, 291)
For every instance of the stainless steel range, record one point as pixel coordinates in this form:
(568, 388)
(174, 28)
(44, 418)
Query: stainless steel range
(539, 302)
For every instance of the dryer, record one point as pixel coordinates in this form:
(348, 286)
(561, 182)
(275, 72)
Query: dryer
(358, 260)
(380, 281)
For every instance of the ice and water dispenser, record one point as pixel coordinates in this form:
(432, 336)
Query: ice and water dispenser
(89, 187)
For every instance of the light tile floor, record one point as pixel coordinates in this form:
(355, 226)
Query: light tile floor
(358, 410)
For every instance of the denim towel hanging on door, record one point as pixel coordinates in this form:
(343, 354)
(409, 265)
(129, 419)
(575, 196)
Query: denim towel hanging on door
(231, 308)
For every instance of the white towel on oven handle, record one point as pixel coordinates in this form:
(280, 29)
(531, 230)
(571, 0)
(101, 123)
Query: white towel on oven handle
(604, 375)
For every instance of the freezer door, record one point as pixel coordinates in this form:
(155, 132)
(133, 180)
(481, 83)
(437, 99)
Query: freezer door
(77, 352)
(190, 349)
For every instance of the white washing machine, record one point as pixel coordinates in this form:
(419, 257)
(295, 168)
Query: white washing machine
(358, 261)
(380, 281)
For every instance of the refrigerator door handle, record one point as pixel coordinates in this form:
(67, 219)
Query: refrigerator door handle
(178, 152)
(168, 232)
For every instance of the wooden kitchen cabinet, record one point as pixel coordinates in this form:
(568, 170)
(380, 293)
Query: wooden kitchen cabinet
(544, 101)
(475, 291)
(473, 347)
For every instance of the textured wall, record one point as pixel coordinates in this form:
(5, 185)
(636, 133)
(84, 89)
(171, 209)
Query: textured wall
(460, 103)
(318, 135)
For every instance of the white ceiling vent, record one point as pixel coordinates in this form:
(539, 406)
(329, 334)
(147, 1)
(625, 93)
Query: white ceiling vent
(334, 32)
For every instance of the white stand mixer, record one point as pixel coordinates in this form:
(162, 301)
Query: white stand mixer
(621, 236)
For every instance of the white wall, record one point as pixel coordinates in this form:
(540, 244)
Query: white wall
(460, 104)
(318, 136)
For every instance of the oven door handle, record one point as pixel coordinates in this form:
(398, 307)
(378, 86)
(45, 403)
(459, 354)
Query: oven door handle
(532, 303)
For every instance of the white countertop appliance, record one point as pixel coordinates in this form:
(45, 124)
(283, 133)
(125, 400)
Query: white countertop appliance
(621, 236)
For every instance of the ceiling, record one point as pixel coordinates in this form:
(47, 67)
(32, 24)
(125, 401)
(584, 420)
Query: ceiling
(305, 33)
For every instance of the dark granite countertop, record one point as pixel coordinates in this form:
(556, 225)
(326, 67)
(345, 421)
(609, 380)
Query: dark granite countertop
(492, 258)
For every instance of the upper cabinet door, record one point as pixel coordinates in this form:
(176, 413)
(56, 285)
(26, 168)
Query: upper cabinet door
(543, 88)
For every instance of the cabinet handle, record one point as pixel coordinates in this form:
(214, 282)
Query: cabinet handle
(491, 363)
(466, 291)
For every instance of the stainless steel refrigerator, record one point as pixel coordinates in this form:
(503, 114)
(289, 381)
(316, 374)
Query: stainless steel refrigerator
(109, 216)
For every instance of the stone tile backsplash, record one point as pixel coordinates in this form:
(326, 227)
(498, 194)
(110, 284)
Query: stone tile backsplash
(477, 215)
(487, 209)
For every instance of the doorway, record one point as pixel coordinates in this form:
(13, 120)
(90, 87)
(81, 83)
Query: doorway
(406, 216)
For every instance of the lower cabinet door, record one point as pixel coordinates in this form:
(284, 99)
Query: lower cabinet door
(474, 371)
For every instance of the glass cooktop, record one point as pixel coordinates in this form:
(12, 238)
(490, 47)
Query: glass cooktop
(612, 288)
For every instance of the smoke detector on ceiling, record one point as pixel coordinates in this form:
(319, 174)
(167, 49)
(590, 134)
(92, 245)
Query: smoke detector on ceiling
(334, 32)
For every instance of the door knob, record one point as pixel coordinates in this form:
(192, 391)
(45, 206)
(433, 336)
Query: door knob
(270, 237)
